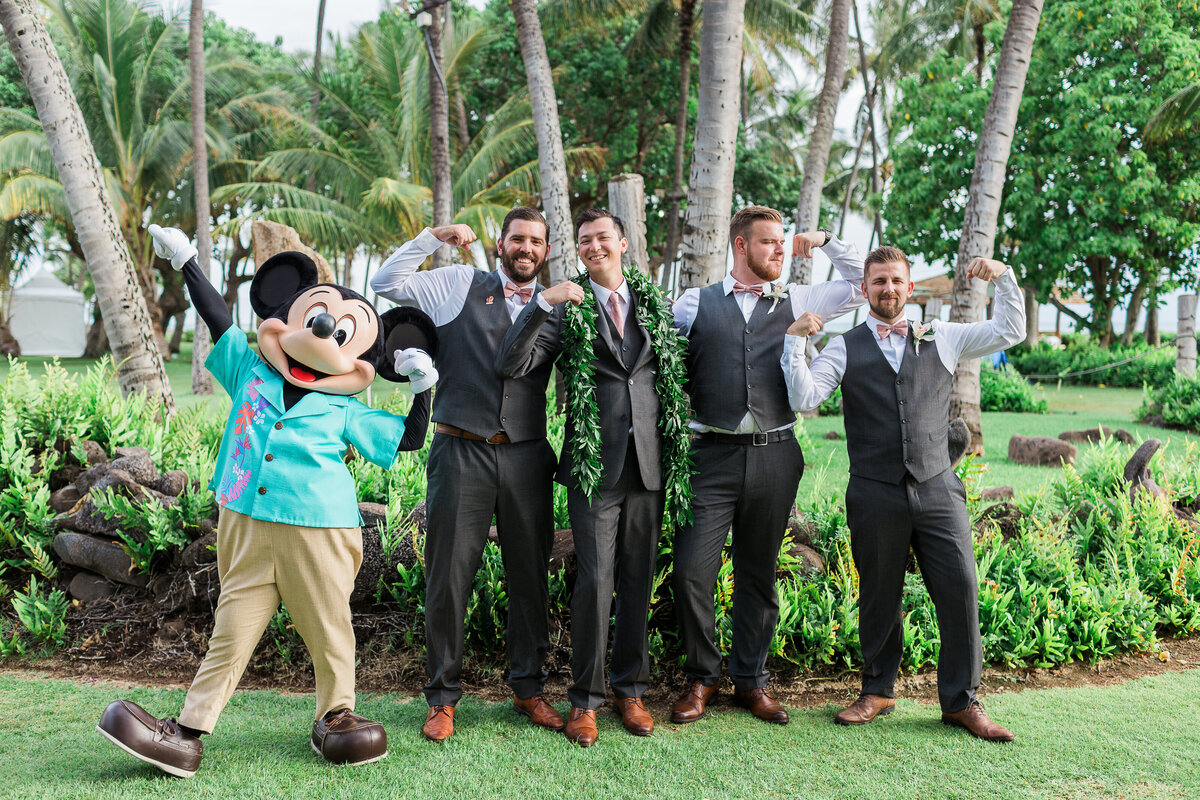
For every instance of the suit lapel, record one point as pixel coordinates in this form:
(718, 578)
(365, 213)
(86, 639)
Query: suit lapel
(647, 351)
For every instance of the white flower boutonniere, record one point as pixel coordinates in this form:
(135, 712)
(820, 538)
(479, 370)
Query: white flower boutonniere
(776, 294)
(922, 332)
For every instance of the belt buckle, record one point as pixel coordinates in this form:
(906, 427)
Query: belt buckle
(758, 439)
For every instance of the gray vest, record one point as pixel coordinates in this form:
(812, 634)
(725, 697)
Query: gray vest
(470, 393)
(733, 365)
(896, 423)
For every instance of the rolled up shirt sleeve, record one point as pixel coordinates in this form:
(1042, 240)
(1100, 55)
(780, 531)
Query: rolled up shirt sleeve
(807, 386)
(440, 293)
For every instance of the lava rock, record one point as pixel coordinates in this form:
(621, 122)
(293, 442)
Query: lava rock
(65, 475)
(997, 493)
(1041, 451)
(1092, 435)
(200, 552)
(64, 499)
(88, 587)
(137, 462)
(1006, 516)
(97, 555)
(811, 561)
(171, 483)
(832, 435)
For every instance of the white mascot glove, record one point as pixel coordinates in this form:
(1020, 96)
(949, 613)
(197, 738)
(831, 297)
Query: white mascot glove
(173, 245)
(416, 365)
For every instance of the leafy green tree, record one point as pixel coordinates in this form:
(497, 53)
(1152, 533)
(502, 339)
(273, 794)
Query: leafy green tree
(1091, 204)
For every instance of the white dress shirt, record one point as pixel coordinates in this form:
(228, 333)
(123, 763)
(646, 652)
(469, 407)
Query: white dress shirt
(828, 300)
(441, 293)
(603, 294)
(809, 387)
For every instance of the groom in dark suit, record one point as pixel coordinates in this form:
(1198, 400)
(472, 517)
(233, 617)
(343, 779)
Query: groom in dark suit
(616, 532)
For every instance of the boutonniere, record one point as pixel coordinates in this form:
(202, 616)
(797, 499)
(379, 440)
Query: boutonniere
(776, 294)
(922, 332)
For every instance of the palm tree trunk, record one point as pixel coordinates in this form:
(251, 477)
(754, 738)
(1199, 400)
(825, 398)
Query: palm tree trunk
(710, 184)
(201, 344)
(869, 99)
(315, 102)
(118, 294)
(983, 199)
(439, 135)
(552, 164)
(808, 207)
(456, 95)
(687, 19)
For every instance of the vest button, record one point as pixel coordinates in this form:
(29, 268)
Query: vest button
(270, 457)
(903, 422)
(747, 349)
(278, 426)
(899, 381)
(908, 461)
(901, 402)
(262, 490)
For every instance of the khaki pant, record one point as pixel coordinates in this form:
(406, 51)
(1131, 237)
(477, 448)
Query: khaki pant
(260, 563)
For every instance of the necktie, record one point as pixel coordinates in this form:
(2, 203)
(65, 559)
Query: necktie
(526, 292)
(741, 288)
(900, 329)
(614, 313)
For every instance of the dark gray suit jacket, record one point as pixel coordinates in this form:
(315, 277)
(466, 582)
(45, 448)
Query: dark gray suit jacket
(626, 396)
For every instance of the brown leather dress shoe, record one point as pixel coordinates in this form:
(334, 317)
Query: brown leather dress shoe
(540, 712)
(156, 741)
(762, 705)
(581, 727)
(634, 716)
(866, 708)
(343, 737)
(977, 723)
(692, 704)
(439, 723)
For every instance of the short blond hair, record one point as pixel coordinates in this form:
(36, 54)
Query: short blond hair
(742, 220)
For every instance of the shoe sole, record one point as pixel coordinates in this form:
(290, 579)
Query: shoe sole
(529, 717)
(954, 724)
(178, 772)
(883, 713)
(317, 750)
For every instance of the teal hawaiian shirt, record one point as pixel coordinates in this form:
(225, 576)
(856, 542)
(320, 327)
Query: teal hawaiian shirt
(286, 465)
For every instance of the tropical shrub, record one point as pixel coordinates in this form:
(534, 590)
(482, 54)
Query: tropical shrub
(1151, 366)
(1174, 403)
(1006, 390)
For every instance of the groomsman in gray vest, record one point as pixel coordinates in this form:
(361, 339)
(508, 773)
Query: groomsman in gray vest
(489, 457)
(748, 463)
(616, 533)
(895, 378)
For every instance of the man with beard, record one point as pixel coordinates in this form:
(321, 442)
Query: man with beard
(748, 463)
(489, 457)
(895, 379)
(611, 351)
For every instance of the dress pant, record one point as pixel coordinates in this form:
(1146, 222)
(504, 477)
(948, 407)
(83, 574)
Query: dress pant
(751, 489)
(616, 545)
(885, 520)
(469, 482)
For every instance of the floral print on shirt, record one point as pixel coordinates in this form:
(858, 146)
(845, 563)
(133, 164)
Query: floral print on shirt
(237, 476)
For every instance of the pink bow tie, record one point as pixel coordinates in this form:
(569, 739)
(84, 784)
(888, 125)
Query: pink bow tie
(741, 288)
(900, 329)
(526, 292)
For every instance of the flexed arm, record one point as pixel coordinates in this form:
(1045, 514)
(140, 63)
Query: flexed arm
(173, 245)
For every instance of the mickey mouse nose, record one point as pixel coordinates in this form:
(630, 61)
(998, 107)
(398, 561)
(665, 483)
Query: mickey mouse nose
(323, 325)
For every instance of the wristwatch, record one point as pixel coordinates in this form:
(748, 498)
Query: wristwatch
(828, 235)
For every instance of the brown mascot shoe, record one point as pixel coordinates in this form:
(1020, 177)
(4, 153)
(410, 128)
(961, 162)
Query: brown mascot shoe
(866, 708)
(692, 704)
(439, 723)
(343, 737)
(539, 711)
(156, 741)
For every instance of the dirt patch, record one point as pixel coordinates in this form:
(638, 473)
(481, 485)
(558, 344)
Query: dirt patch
(112, 648)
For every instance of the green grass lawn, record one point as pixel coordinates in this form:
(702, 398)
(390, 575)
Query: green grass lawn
(1071, 408)
(1135, 740)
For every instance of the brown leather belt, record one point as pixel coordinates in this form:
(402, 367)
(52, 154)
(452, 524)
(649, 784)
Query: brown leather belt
(450, 430)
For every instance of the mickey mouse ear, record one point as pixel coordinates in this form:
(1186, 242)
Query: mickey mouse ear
(278, 279)
(404, 327)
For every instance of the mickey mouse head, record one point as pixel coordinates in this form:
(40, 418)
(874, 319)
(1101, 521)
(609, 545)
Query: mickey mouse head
(325, 337)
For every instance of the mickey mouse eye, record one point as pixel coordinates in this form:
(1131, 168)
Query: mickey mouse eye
(313, 313)
(344, 331)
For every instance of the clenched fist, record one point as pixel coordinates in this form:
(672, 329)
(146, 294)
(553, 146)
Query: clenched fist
(806, 324)
(564, 292)
(459, 236)
(416, 365)
(985, 269)
(803, 243)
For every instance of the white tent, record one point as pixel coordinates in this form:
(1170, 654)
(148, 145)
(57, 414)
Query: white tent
(48, 317)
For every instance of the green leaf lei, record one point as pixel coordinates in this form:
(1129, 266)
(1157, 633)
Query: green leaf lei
(579, 380)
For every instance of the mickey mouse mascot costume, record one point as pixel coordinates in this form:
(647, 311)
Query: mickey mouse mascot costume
(289, 525)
